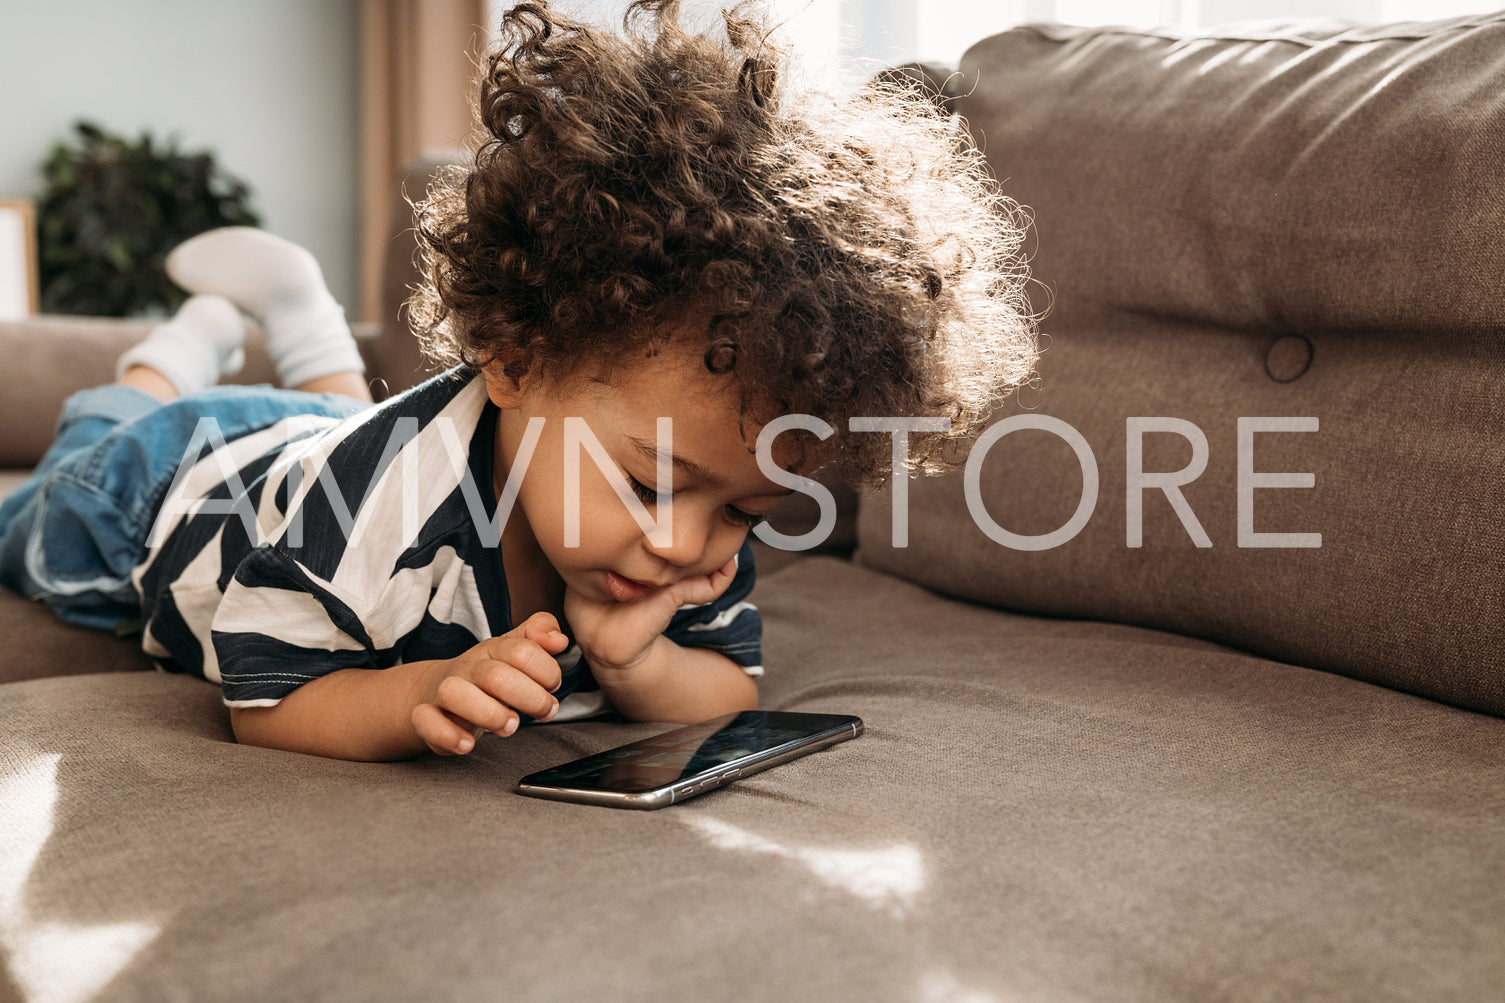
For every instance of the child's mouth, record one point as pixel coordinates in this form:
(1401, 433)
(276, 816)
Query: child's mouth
(625, 589)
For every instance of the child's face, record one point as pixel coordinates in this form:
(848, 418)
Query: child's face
(718, 490)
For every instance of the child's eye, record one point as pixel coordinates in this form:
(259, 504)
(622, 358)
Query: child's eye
(644, 492)
(742, 518)
(652, 497)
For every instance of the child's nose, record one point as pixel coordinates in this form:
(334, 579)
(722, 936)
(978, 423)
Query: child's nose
(687, 544)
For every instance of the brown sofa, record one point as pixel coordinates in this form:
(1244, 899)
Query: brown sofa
(1093, 771)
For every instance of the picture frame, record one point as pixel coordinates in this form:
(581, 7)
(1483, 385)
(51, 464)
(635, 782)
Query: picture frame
(20, 284)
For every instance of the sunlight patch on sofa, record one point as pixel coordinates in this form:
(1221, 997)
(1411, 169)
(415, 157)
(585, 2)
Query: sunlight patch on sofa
(939, 986)
(887, 878)
(50, 962)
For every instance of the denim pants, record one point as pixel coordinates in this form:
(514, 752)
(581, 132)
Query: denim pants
(71, 534)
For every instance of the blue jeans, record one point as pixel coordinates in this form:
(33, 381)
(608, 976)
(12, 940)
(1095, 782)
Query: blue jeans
(71, 534)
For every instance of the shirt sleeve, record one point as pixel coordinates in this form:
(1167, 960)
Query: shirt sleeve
(729, 624)
(280, 626)
(282, 621)
(357, 557)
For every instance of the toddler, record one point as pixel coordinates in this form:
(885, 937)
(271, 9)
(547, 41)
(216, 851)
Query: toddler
(660, 248)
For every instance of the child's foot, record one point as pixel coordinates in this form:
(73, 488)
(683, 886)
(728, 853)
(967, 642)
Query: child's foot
(280, 284)
(199, 345)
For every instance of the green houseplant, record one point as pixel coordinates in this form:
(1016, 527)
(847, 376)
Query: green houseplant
(113, 208)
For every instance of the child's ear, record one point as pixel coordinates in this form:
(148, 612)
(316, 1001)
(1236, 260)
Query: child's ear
(505, 391)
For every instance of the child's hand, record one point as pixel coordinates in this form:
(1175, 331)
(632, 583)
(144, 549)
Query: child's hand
(616, 636)
(488, 685)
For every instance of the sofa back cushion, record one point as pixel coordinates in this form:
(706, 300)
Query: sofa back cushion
(1283, 243)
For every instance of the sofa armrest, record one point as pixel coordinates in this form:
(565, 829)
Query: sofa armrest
(50, 357)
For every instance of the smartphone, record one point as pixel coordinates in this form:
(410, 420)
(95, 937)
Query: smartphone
(679, 764)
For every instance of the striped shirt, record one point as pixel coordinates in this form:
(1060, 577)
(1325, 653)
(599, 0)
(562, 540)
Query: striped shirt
(319, 544)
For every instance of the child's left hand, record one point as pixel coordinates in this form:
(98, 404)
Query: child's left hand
(616, 637)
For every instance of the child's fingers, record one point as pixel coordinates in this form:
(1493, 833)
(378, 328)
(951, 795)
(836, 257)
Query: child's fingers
(440, 732)
(722, 576)
(463, 699)
(705, 588)
(543, 630)
(519, 691)
(525, 656)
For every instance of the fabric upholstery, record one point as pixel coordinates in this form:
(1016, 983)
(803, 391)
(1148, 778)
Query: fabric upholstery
(1278, 222)
(38, 644)
(12, 478)
(49, 357)
(1039, 809)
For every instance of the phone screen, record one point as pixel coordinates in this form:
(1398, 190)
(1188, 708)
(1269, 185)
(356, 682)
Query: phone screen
(654, 763)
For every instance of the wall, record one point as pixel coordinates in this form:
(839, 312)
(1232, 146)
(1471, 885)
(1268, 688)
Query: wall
(269, 85)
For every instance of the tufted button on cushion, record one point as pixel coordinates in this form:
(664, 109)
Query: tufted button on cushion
(1288, 358)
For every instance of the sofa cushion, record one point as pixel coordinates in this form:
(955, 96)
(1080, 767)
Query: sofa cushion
(1274, 178)
(38, 644)
(12, 478)
(1292, 222)
(1039, 809)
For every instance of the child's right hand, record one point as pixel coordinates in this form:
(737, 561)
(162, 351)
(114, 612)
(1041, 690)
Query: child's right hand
(487, 686)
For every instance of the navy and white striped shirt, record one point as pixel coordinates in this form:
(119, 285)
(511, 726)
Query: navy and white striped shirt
(283, 555)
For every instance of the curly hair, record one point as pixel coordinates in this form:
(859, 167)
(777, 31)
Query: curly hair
(839, 257)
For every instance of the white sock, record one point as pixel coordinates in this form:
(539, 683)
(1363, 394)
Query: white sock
(280, 284)
(200, 344)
